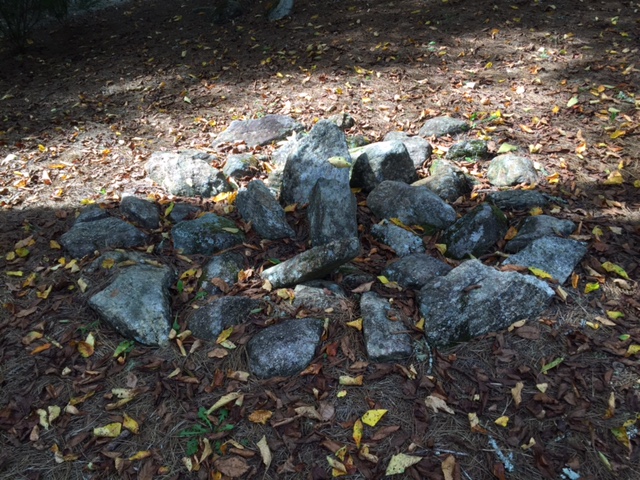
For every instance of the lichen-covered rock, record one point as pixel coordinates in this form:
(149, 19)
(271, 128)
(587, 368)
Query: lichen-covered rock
(402, 241)
(411, 205)
(441, 126)
(414, 271)
(309, 161)
(318, 297)
(446, 180)
(344, 121)
(331, 212)
(518, 199)
(261, 131)
(208, 321)
(556, 256)
(539, 226)
(468, 149)
(508, 169)
(474, 299)
(137, 303)
(313, 263)
(284, 349)
(380, 161)
(140, 211)
(225, 267)
(240, 165)
(257, 205)
(385, 335)
(476, 232)
(419, 149)
(205, 235)
(187, 173)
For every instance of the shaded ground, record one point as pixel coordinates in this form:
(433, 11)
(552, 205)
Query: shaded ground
(87, 104)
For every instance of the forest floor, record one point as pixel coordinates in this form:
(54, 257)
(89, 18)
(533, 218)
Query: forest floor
(87, 103)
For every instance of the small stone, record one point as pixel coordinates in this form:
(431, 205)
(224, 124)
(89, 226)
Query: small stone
(539, 226)
(259, 132)
(447, 181)
(419, 149)
(441, 126)
(240, 165)
(225, 267)
(140, 211)
(508, 170)
(468, 149)
(257, 205)
(205, 235)
(402, 241)
(518, 199)
(181, 211)
(414, 271)
(208, 321)
(320, 298)
(380, 161)
(476, 232)
(385, 334)
(344, 121)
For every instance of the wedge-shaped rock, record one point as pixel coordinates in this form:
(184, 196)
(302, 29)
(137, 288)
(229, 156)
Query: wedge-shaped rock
(205, 235)
(316, 262)
(414, 271)
(385, 338)
(208, 321)
(476, 232)
(537, 227)
(87, 236)
(188, 173)
(412, 205)
(508, 169)
(381, 161)
(402, 241)
(309, 161)
(140, 211)
(474, 299)
(419, 149)
(284, 349)
(257, 205)
(441, 126)
(331, 212)
(261, 131)
(137, 304)
(556, 256)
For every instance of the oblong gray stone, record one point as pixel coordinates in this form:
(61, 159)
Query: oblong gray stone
(385, 339)
(257, 205)
(402, 241)
(476, 232)
(508, 169)
(539, 226)
(380, 161)
(205, 235)
(140, 211)
(414, 271)
(331, 212)
(441, 126)
(261, 131)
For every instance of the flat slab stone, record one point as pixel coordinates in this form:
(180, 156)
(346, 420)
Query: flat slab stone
(519, 199)
(556, 256)
(138, 304)
(441, 126)
(261, 131)
(414, 271)
(508, 170)
(284, 349)
(402, 241)
(384, 338)
(85, 237)
(208, 321)
(205, 235)
(537, 227)
(314, 263)
(320, 298)
(474, 299)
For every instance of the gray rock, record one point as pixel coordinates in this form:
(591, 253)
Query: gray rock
(468, 149)
(508, 169)
(446, 180)
(261, 131)
(355, 141)
(476, 232)
(187, 173)
(384, 338)
(380, 161)
(137, 304)
(181, 211)
(556, 256)
(319, 298)
(140, 211)
(282, 10)
(402, 241)
(225, 267)
(518, 199)
(308, 162)
(344, 121)
(208, 321)
(474, 299)
(419, 149)
(412, 205)
(331, 212)
(257, 205)
(313, 263)
(240, 165)
(86, 236)
(537, 227)
(414, 271)
(205, 235)
(91, 213)
(284, 349)
(441, 126)
(353, 277)
(285, 148)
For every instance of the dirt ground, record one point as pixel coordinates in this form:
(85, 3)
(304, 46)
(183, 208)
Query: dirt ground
(87, 103)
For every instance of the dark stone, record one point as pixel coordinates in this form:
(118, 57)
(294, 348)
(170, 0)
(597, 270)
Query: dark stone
(414, 271)
(476, 232)
(208, 321)
(537, 227)
(441, 126)
(262, 131)
(380, 161)
(141, 212)
(205, 235)
(257, 205)
(402, 241)
(331, 212)
(85, 237)
(385, 339)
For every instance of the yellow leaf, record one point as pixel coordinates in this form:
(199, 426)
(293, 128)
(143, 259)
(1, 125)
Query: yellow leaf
(16, 273)
(42, 148)
(260, 416)
(474, 423)
(636, 183)
(265, 452)
(224, 400)
(622, 436)
(400, 462)
(358, 431)
(82, 284)
(632, 350)
(22, 252)
(554, 178)
(572, 101)
(448, 467)
(613, 268)
(535, 211)
(357, 324)
(384, 280)
(85, 349)
(555, 109)
(130, 424)
(502, 421)
(111, 430)
(31, 337)
(291, 208)
(616, 134)
(516, 393)
(372, 417)
(489, 65)
(614, 178)
(591, 287)
(542, 387)
(231, 229)
(353, 381)
(224, 335)
(539, 273)
(613, 315)
(442, 248)
(10, 256)
(142, 454)
(420, 324)
(341, 394)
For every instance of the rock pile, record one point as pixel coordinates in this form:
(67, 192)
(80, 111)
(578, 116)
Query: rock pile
(457, 300)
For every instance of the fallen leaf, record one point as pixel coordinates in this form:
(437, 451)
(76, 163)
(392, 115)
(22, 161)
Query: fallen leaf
(234, 466)
(112, 430)
(224, 400)
(448, 467)
(353, 381)
(591, 287)
(260, 416)
(437, 404)
(265, 452)
(516, 393)
(372, 417)
(502, 421)
(130, 424)
(617, 269)
(400, 462)
(358, 431)
(506, 147)
(141, 455)
(357, 324)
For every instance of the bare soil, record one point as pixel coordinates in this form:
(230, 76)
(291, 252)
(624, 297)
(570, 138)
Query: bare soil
(88, 103)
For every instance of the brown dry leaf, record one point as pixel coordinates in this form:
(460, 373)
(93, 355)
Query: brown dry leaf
(611, 406)
(365, 287)
(358, 431)
(384, 432)
(474, 422)
(528, 331)
(234, 467)
(312, 369)
(239, 375)
(309, 412)
(260, 416)
(449, 467)
(437, 404)
(516, 393)
(218, 353)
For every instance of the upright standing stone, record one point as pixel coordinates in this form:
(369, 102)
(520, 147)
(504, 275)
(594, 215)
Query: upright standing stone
(331, 212)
